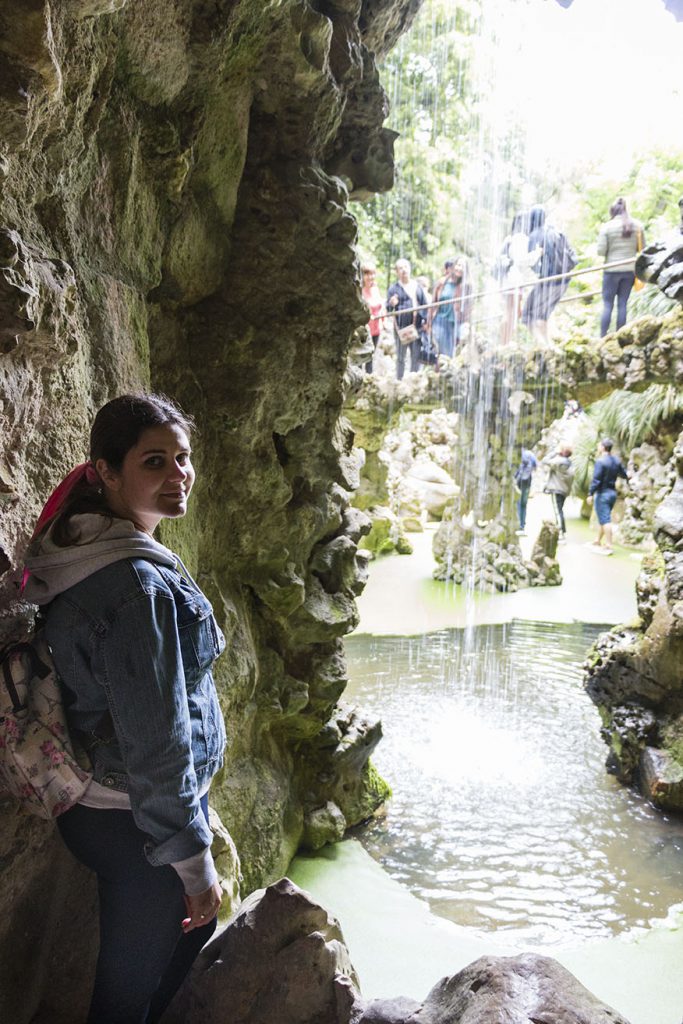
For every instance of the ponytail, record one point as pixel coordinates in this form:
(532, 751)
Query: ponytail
(627, 225)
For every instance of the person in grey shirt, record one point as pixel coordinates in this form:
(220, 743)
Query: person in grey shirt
(621, 238)
(559, 484)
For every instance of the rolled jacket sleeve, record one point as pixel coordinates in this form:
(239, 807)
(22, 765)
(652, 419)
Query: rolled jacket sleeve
(147, 697)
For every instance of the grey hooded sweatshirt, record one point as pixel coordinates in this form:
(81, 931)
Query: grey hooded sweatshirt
(100, 542)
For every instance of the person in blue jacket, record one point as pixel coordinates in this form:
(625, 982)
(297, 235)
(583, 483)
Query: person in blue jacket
(523, 474)
(134, 640)
(602, 491)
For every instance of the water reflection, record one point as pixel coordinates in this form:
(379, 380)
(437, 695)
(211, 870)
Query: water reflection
(502, 815)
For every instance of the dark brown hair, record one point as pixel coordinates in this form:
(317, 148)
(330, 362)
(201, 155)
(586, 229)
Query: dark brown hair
(116, 429)
(619, 207)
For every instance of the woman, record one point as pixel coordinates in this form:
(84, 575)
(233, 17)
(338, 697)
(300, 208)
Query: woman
(447, 320)
(515, 272)
(621, 238)
(134, 639)
(559, 484)
(374, 302)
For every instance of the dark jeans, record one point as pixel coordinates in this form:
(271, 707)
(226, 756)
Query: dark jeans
(414, 349)
(615, 285)
(368, 365)
(524, 488)
(558, 508)
(144, 954)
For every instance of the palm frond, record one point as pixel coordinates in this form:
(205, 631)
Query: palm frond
(631, 417)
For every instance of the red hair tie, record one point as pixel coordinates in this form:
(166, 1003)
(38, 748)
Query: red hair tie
(54, 504)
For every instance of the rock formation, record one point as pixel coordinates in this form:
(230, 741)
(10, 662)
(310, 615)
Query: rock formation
(633, 672)
(173, 212)
(499, 398)
(282, 959)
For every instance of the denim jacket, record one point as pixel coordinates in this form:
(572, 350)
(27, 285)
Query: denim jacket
(137, 640)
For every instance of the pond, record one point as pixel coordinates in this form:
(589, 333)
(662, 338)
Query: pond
(503, 817)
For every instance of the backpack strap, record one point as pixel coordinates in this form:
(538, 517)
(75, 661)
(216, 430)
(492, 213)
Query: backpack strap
(37, 668)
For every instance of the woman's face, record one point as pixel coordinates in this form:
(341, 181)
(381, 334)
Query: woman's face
(155, 479)
(369, 277)
(458, 269)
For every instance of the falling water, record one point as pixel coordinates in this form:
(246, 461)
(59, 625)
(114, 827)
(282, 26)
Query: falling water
(502, 816)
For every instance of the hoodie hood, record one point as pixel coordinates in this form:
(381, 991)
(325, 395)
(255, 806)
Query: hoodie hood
(100, 542)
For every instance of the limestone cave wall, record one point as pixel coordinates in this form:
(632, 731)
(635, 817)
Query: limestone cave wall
(174, 181)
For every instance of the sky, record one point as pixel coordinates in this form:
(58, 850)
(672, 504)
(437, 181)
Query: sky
(600, 81)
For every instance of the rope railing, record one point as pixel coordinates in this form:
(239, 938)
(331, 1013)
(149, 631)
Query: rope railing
(567, 298)
(505, 291)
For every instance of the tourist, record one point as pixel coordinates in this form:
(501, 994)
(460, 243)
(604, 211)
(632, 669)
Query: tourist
(134, 639)
(426, 286)
(557, 257)
(559, 484)
(405, 294)
(374, 302)
(608, 468)
(446, 321)
(620, 239)
(513, 270)
(523, 475)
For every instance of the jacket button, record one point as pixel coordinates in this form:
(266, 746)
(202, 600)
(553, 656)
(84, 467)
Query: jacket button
(107, 780)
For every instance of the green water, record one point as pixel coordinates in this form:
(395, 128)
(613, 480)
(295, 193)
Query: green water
(503, 817)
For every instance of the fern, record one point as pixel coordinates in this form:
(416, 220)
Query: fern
(583, 455)
(629, 418)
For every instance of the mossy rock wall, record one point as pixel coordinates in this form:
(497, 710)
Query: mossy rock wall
(173, 213)
(633, 673)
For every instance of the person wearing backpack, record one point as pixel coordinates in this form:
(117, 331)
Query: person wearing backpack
(523, 475)
(559, 484)
(134, 640)
(557, 257)
(621, 238)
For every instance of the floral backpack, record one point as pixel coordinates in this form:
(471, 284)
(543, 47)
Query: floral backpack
(38, 766)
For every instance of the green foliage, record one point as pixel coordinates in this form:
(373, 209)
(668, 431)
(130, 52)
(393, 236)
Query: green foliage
(629, 418)
(458, 178)
(652, 188)
(427, 78)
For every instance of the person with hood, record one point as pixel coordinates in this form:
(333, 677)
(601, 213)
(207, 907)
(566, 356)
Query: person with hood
(559, 484)
(134, 639)
(557, 257)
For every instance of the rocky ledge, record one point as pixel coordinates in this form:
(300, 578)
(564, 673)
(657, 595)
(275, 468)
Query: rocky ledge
(282, 960)
(633, 673)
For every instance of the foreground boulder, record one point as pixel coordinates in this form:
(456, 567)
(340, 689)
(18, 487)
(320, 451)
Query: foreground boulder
(282, 960)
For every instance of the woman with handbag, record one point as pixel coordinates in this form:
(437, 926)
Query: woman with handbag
(134, 640)
(621, 238)
(405, 294)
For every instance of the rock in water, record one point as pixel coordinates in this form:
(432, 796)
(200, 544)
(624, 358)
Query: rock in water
(513, 990)
(282, 960)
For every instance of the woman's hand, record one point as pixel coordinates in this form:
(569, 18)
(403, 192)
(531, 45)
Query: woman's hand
(202, 907)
